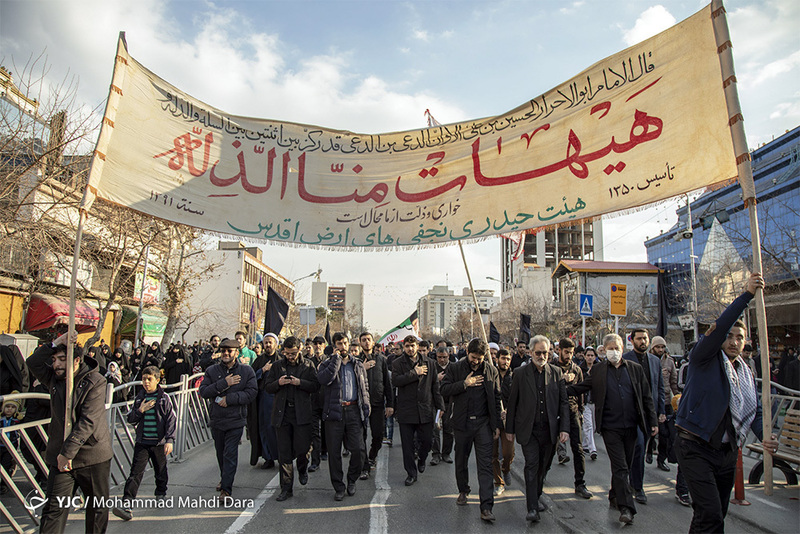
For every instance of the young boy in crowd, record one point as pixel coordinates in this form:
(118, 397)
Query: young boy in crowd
(9, 418)
(155, 420)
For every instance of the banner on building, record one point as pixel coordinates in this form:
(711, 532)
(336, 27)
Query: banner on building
(409, 327)
(642, 125)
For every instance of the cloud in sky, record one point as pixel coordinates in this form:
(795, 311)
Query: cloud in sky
(572, 8)
(653, 20)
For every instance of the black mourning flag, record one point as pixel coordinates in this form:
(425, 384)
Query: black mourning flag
(494, 335)
(277, 310)
(524, 328)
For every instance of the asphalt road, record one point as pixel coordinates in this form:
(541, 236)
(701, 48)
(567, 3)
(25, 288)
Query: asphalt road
(384, 504)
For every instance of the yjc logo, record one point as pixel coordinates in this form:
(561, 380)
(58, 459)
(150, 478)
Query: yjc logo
(34, 502)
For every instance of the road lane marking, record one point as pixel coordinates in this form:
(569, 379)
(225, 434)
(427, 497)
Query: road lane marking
(246, 515)
(378, 518)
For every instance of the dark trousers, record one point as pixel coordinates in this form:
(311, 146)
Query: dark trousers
(538, 453)
(442, 442)
(350, 432)
(680, 483)
(377, 427)
(318, 446)
(93, 482)
(620, 444)
(709, 474)
(575, 443)
(637, 466)
(424, 434)
(666, 437)
(294, 441)
(226, 443)
(269, 439)
(507, 448)
(141, 455)
(479, 433)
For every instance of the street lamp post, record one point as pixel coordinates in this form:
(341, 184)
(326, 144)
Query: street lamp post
(504, 287)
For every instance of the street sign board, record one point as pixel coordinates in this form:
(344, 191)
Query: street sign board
(585, 305)
(618, 301)
(308, 315)
(686, 321)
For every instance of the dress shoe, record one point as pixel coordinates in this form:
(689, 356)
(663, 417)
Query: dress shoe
(541, 507)
(533, 517)
(593, 456)
(507, 477)
(410, 480)
(498, 490)
(487, 516)
(648, 457)
(126, 514)
(563, 459)
(421, 465)
(462, 498)
(364, 475)
(435, 460)
(324, 456)
(345, 453)
(338, 496)
(303, 478)
(663, 466)
(640, 497)
(446, 459)
(626, 516)
(285, 494)
(268, 464)
(312, 468)
(583, 492)
(351, 489)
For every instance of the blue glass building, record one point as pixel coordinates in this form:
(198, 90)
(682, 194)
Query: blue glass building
(721, 213)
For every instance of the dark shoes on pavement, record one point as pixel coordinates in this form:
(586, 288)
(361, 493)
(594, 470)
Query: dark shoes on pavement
(563, 459)
(533, 516)
(421, 465)
(487, 516)
(126, 514)
(435, 460)
(338, 496)
(364, 475)
(446, 459)
(351, 489)
(626, 516)
(541, 507)
(663, 466)
(507, 477)
(648, 457)
(684, 499)
(313, 467)
(583, 492)
(410, 480)
(462, 498)
(285, 494)
(640, 497)
(303, 478)
(593, 456)
(268, 464)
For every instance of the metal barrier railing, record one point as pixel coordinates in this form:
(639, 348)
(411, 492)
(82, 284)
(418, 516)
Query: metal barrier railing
(192, 430)
(783, 398)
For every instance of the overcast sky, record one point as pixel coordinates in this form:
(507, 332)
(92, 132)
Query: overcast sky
(376, 66)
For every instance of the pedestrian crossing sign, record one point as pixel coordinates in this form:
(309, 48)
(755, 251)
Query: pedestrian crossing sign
(585, 306)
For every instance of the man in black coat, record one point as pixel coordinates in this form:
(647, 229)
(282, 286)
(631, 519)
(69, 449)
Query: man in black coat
(231, 386)
(83, 457)
(474, 388)
(442, 443)
(624, 406)
(417, 396)
(538, 414)
(293, 380)
(381, 394)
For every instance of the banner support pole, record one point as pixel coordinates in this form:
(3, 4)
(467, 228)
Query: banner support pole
(472, 290)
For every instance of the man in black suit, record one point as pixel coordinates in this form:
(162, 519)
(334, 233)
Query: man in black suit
(538, 413)
(293, 380)
(624, 405)
(474, 388)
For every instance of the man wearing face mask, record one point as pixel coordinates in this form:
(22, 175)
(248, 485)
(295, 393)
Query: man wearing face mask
(719, 406)
(655, 381)
(623, 407)
(292, 379)
(474, 388)
(538, 414)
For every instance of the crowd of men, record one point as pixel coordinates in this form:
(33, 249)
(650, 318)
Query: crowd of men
(305, 402)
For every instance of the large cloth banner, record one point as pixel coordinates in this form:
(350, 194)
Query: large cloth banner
(643, 125)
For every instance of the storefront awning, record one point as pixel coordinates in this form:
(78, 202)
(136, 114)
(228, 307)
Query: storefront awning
(45, 311)
(153, 322)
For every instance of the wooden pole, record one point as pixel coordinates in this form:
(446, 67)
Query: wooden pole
(745, 171)
(472, 289)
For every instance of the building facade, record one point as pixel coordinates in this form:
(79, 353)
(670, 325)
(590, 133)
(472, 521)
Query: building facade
(347, 300)
(439, 309)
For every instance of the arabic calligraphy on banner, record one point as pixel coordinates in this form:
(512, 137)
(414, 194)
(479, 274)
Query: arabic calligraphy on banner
(643, 125)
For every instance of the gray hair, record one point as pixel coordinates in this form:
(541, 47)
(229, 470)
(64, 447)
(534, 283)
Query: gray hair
(613, 337)
(540, 339)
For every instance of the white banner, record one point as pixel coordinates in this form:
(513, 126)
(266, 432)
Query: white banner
(643, 125)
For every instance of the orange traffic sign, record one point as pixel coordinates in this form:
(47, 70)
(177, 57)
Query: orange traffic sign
(618, 301)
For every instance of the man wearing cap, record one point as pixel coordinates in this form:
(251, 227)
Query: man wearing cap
(230, 386)
(345, 411)
(666, 430)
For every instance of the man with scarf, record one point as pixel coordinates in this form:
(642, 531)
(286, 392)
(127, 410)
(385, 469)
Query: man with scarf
(263, 439)
(718, 407)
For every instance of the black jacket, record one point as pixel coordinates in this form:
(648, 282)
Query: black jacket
(505, 385)
(453, 386)
(417, 396)
(173, 369)
(519, 418)
(166, 419)
(596, 383)
(89, 443)
(309, 385)
(237, 396)
(13, 371)
(328, 376)
(381, 392)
